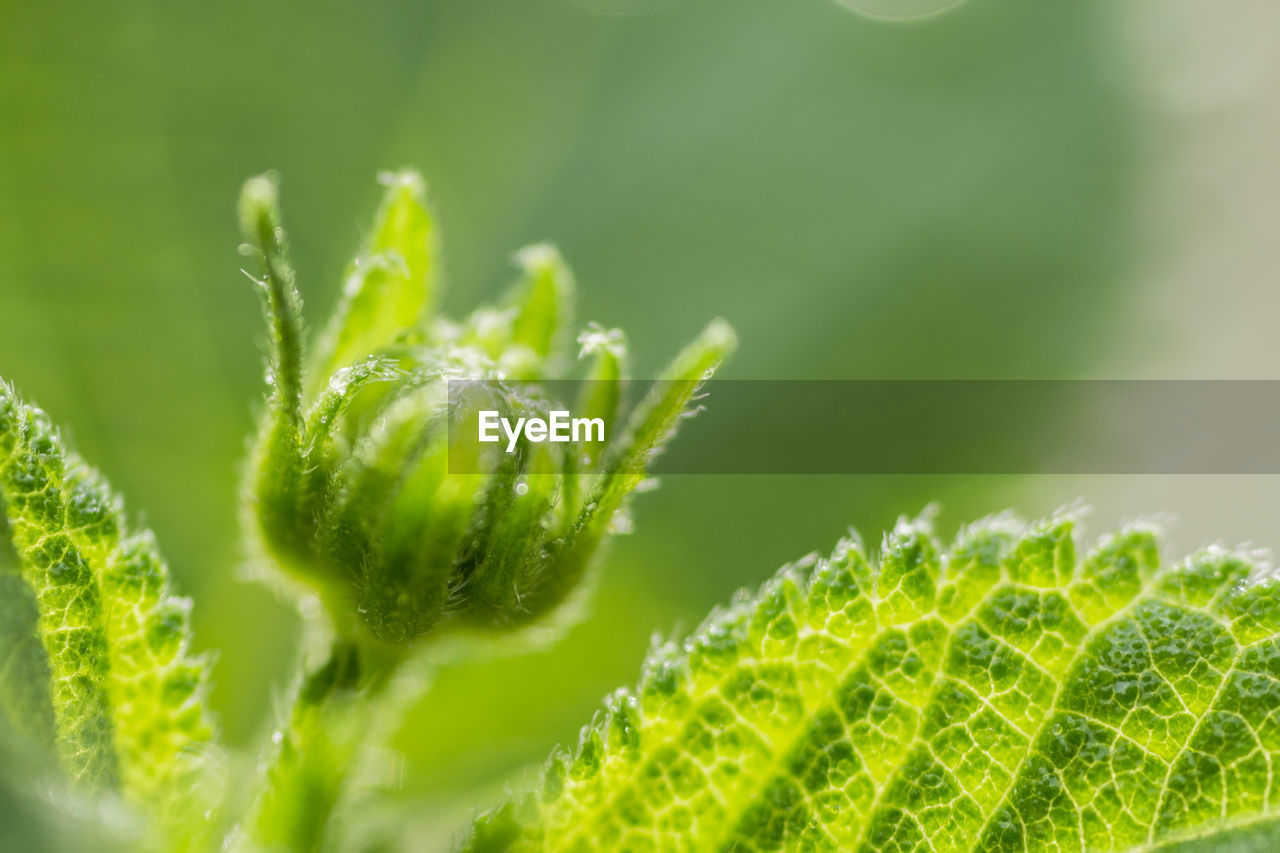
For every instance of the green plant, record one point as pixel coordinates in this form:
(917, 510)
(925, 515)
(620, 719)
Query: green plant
(349, 499)
(995, 695)
(96, 664)
(350, 492)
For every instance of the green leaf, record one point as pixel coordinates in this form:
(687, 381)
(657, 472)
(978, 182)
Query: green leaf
(526, 333)
(25, 680)
(650, 426)
(40, 813)
(279, 468)
(390, 284)
(95, 652)
(1000, 694)
(542, 301)
(601, 393)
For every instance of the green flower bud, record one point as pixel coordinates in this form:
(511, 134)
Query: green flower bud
(351, 491)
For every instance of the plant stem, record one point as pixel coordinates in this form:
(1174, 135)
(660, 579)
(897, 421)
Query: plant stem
(317, 752)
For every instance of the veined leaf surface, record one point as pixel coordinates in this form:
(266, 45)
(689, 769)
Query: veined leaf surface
(94, 650)
(997, 695)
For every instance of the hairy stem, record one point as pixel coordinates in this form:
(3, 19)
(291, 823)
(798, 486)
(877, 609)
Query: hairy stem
(316, 753)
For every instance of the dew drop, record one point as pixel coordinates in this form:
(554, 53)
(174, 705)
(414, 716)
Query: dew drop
(621, 523)
(522, 489)
(648, 484)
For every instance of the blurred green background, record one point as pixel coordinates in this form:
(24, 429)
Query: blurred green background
(1005, 190)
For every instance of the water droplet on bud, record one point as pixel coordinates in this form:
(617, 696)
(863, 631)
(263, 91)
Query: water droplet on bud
(621, 523)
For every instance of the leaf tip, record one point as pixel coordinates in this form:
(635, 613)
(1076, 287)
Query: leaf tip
(260, 207)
